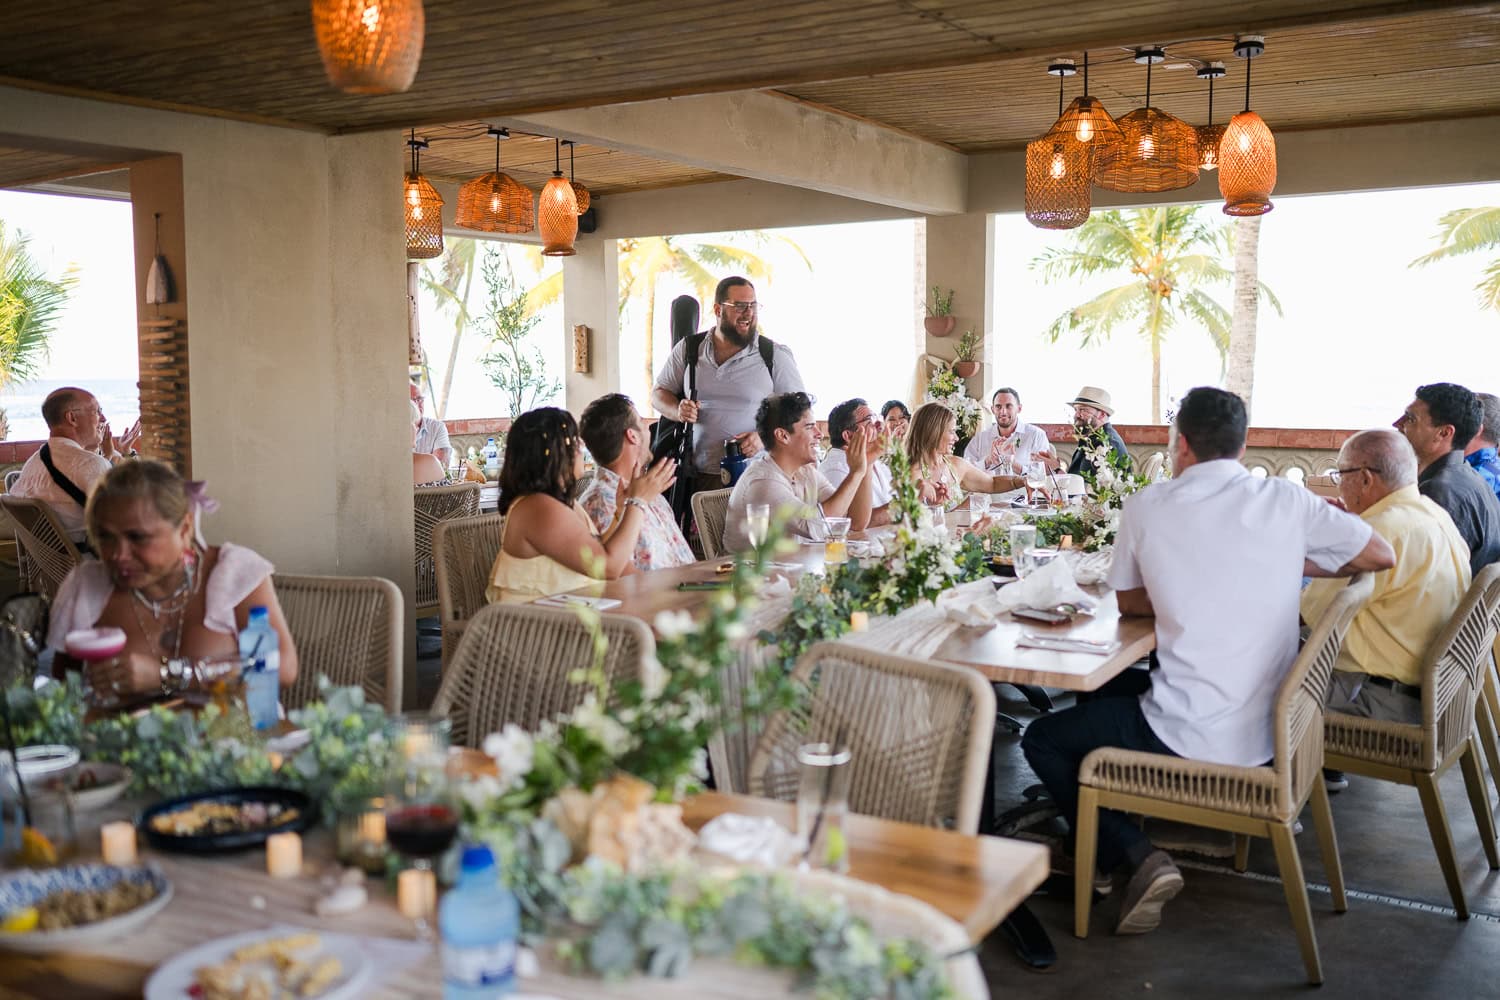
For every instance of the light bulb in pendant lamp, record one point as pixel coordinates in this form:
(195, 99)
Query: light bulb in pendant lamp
(424, 218)
(1159, 153)
(1247, 165)
(1057, 182)
(495, 202)
(557, 217)
(370, 46)
(1085, 120)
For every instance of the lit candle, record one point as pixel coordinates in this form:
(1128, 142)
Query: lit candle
(117, 843)
(372, 828)
(859, 621)
(1065, 542)
(284, 855)
(416, 893)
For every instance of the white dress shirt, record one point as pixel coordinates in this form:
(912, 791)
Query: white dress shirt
(835, 467)
(1029, 440)
(764, 482)
(82, 468)
(432, 437)
(1220, 553)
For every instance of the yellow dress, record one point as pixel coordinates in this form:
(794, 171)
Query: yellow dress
(514, 579)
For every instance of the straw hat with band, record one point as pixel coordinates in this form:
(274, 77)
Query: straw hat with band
(1092, 395)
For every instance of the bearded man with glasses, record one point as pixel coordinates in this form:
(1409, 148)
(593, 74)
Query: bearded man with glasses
(80, 449)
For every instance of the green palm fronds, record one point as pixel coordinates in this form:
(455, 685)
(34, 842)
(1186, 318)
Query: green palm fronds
(1470, 230)
(30, 305)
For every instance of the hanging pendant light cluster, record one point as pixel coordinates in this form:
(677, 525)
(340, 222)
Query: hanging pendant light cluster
(370, 46)
(495, 202)
(423, 207)
(580, 193)
(557, 212)
(1147, 150)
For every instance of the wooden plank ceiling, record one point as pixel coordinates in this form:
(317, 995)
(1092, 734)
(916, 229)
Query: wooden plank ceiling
(20, 166)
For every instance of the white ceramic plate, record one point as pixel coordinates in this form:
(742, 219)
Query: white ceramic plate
(23, 887)
(173, 979)
(109, 784)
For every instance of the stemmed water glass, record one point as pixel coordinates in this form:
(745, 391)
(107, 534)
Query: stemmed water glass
(421, 800)
(758, 523)
(979, 507)
(1036, 476)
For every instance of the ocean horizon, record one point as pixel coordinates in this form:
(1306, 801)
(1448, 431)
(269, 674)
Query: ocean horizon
(120, 398)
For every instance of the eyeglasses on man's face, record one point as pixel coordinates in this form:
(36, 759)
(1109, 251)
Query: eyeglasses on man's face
(1337, 475)
(741, 307)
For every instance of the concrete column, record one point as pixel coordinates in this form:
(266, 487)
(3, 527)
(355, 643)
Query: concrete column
(591, 280)
(960, 256)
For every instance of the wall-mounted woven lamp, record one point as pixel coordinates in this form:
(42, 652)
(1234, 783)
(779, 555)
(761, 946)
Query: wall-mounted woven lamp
(495, 202)
(1057, 170)
(1159, 152)
(1247, 155)
(424, 208)
(1086, 118)
(1210, 135)
(580, 193)
(370, 46)
(557, 212)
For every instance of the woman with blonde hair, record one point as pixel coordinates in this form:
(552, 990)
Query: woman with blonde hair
(178, 600)
(942, 476)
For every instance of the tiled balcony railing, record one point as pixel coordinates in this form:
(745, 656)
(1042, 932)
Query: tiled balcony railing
(1295, 452)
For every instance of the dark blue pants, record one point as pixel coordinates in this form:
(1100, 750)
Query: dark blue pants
(1056, 744)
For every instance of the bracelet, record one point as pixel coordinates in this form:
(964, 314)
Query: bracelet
(636, 502)
(174, 674)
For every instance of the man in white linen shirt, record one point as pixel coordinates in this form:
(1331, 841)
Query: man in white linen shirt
(1217, 555)
(432, 437)
(1007, 446)
(843, 420)
(81, 450)
(786, 475)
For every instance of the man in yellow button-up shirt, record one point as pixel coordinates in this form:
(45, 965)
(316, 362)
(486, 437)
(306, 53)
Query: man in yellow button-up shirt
(1378, 674)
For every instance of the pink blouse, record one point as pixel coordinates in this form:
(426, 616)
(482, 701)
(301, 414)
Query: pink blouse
(86, 590)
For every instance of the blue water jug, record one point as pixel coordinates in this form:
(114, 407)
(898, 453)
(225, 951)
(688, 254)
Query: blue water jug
(733, 464)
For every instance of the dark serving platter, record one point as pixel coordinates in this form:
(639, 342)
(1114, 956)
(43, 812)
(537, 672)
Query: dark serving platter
(237, 840)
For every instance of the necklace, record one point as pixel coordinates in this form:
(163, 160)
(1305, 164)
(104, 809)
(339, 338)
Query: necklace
(175, 605)
(176, 599)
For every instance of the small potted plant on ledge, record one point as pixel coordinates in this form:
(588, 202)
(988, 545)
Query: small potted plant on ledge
(940, 320)
(966, 355)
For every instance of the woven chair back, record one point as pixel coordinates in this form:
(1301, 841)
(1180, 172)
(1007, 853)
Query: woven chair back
(1153, 465)
(1452, 673)
(919, 734)
(514, 665)
(10, 478)
(347, 628)
(710, 511)
(433, 504)
(48, 553)
(464, 550)
(1303, 695)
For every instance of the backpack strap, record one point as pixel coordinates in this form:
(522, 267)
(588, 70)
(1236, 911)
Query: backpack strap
(768, 355)
(63, 482)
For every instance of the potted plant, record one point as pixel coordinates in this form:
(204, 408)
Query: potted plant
(966, 355)
(940, 320)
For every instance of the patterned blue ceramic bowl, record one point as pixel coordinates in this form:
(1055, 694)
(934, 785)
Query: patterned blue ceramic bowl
(26, 887)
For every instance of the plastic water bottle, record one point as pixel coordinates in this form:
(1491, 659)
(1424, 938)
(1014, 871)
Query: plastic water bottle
(491, 459)
(479, 920)
(260, 649)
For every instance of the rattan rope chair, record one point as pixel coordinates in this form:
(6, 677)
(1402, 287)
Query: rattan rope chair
(44, 552)
(710, 511)
(1452, 674)
(1249, 801)
(347, 628)
(1487, 713)
(514, 661)
(919, 733)
(10, 478)
(463, 550)
(1154, 463)
(434, 504)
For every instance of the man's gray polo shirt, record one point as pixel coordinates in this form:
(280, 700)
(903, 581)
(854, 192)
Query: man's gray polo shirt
(728, 394)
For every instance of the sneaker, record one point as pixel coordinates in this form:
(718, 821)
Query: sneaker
(1153, 883)
(1334, 781)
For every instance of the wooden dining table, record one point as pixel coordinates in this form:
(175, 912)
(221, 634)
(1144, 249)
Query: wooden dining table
(974, 880)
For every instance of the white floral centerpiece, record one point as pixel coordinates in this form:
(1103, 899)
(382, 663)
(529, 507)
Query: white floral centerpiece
(944, 386)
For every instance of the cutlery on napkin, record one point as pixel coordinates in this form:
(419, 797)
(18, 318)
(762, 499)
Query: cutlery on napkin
(1067, 644)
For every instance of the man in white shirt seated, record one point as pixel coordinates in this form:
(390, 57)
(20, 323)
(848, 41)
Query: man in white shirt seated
(1008, 446)
(432, 435)
(843, 420)
(786, 478)
(80, 451)
(1218, 556)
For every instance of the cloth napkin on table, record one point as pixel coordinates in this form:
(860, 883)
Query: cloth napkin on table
(1047, 587)
(757, 840)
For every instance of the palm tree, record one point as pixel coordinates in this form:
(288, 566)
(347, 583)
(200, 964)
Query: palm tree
(30, 305)
(1169, 257)
(1247, 295)
(644, 261)
(1465, 231)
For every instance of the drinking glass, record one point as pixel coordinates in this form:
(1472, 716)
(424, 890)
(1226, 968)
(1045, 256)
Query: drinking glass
(758, 523)
(421, 799)
(937, 516)
(95, 645)
(836, 550)
(822, 804)
(1022, 543)
(1036, 476)
(979, 506)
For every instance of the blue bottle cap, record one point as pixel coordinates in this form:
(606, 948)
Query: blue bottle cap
(477, 857)
(259, 611)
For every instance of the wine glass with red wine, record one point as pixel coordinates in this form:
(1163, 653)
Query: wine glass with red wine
(421, 803)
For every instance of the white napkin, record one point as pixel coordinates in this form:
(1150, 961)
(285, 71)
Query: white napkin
(778, 587)
(1047, 587)
(757, 840)
(975, 610)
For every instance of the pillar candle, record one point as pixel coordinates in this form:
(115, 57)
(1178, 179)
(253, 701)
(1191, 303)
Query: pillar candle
(372, 828)
(859, 621)
(117, 843)
(284, 855)
(416, 893)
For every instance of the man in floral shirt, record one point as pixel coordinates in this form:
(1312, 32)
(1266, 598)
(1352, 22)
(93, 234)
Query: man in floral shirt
(617, 439)
(1480, 454)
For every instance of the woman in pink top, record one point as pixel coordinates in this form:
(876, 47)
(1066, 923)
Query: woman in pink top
(176, 599)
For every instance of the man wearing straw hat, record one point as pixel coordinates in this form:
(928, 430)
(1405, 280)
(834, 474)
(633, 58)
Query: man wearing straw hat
(1091, 412)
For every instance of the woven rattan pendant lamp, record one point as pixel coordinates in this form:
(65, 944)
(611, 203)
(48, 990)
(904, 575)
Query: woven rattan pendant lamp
(557, 212)
(1159, 151)
(423, 207)
(580, 193)
(1210, 135)
(1247, 155)
(495, 202)
(1086, 120)
(1058, 179)
(370, 46)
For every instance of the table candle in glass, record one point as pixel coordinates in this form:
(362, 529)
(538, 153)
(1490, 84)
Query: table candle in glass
(416, 896)
(822, 805)
(859, 621)
(117, 843)
(284, 855)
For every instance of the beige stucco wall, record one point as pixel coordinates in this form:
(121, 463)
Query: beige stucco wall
(296, 325)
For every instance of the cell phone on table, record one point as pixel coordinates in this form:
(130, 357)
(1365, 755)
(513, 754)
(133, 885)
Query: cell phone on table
(1040, 615)
(703, 585)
